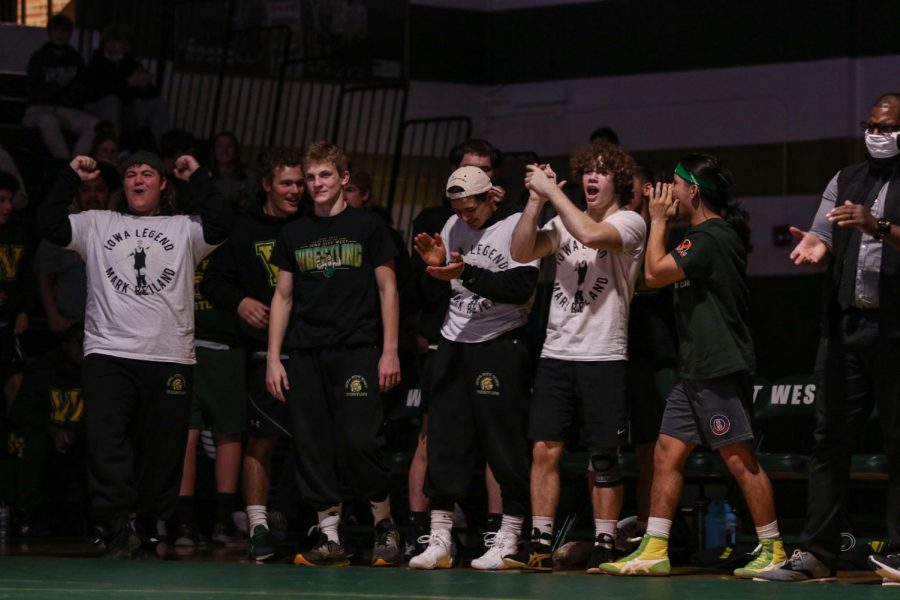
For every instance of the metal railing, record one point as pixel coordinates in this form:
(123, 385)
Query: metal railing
(420, 166)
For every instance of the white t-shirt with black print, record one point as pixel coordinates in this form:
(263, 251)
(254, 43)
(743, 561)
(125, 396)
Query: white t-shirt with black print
(592, 292)
(140, 277)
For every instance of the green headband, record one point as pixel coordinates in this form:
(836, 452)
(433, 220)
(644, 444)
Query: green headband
(695, 179)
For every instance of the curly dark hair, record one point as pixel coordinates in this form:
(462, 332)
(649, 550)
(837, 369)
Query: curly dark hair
(272, 158)
(606, 157)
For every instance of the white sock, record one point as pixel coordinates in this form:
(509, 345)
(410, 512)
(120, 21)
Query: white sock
(768, 531)
(658, 527)
(544, 525)
(381, 510)
(441, 519)
(510, 524)
(256, 515)
(329, 520)
(607, 526)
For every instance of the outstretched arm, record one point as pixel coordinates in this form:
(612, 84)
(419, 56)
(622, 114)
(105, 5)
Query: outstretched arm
(215, 214)
(53, 212)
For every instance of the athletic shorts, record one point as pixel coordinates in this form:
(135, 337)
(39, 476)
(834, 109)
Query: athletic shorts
(567, 392)
(649, 383)
(219, 397)
(714, 412)
(267, 417)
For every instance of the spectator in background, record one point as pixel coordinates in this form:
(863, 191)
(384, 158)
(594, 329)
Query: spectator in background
(106, 148)
(57, 91)
(122, 89)
(44, 435)
(605, 134)
(61, 279)
(15, 287)
(20, 199)
(230, 173)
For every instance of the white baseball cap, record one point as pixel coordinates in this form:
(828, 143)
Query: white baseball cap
(467, 181)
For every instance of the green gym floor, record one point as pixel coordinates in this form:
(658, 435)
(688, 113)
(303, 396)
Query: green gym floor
(68, 576)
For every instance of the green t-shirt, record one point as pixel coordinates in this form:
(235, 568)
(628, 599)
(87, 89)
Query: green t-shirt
(713, 302)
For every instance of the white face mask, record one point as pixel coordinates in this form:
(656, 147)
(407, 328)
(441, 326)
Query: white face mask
(882, 146)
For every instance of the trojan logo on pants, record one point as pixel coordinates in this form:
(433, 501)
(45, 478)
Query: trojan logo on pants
(356, 386)
(176, 385)
(487, 384)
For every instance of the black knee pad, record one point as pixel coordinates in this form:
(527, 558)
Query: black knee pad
(606, 469)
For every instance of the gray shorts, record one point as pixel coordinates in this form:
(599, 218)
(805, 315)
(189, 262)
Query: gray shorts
(714, 412)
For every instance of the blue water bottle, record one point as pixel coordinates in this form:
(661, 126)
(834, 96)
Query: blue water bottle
(730, 525)
(715, 524)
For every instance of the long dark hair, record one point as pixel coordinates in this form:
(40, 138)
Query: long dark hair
(708, 169)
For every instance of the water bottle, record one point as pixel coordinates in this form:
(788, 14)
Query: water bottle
(715, 524)
(4, 521)
(721, 524)
(730, 525)
(699, 514)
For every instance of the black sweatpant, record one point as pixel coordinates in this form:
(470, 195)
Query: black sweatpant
(136, 424)
(336, 418)
(479, 398)
(856, 369)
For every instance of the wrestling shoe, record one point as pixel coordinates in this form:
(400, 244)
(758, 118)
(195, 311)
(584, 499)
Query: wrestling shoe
(499, 545)
(801, 567)
(325, 554)
(438, 554)
(888, 566)
(770, 555)
(124, 543)
(651, 558)
(603, 551)
(532, 556)
(261, 544)
(387, 550)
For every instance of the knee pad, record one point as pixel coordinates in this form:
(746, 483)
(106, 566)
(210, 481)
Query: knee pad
(606, 469)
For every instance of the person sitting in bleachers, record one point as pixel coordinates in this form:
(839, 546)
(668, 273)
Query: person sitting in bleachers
(106, 147)
(230, 174)
(57, 90)
(123, 90)
(20, 198)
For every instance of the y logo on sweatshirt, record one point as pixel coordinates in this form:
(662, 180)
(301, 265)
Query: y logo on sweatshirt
(10, 256)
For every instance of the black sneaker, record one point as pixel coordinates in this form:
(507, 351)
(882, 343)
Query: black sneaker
(888, 566)
(604, 551)
(123, 543)
(532, 556)
(418, 528)
(325, 554)
(261, 545)
(225, 533)
(387, 550)
(187, 536)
